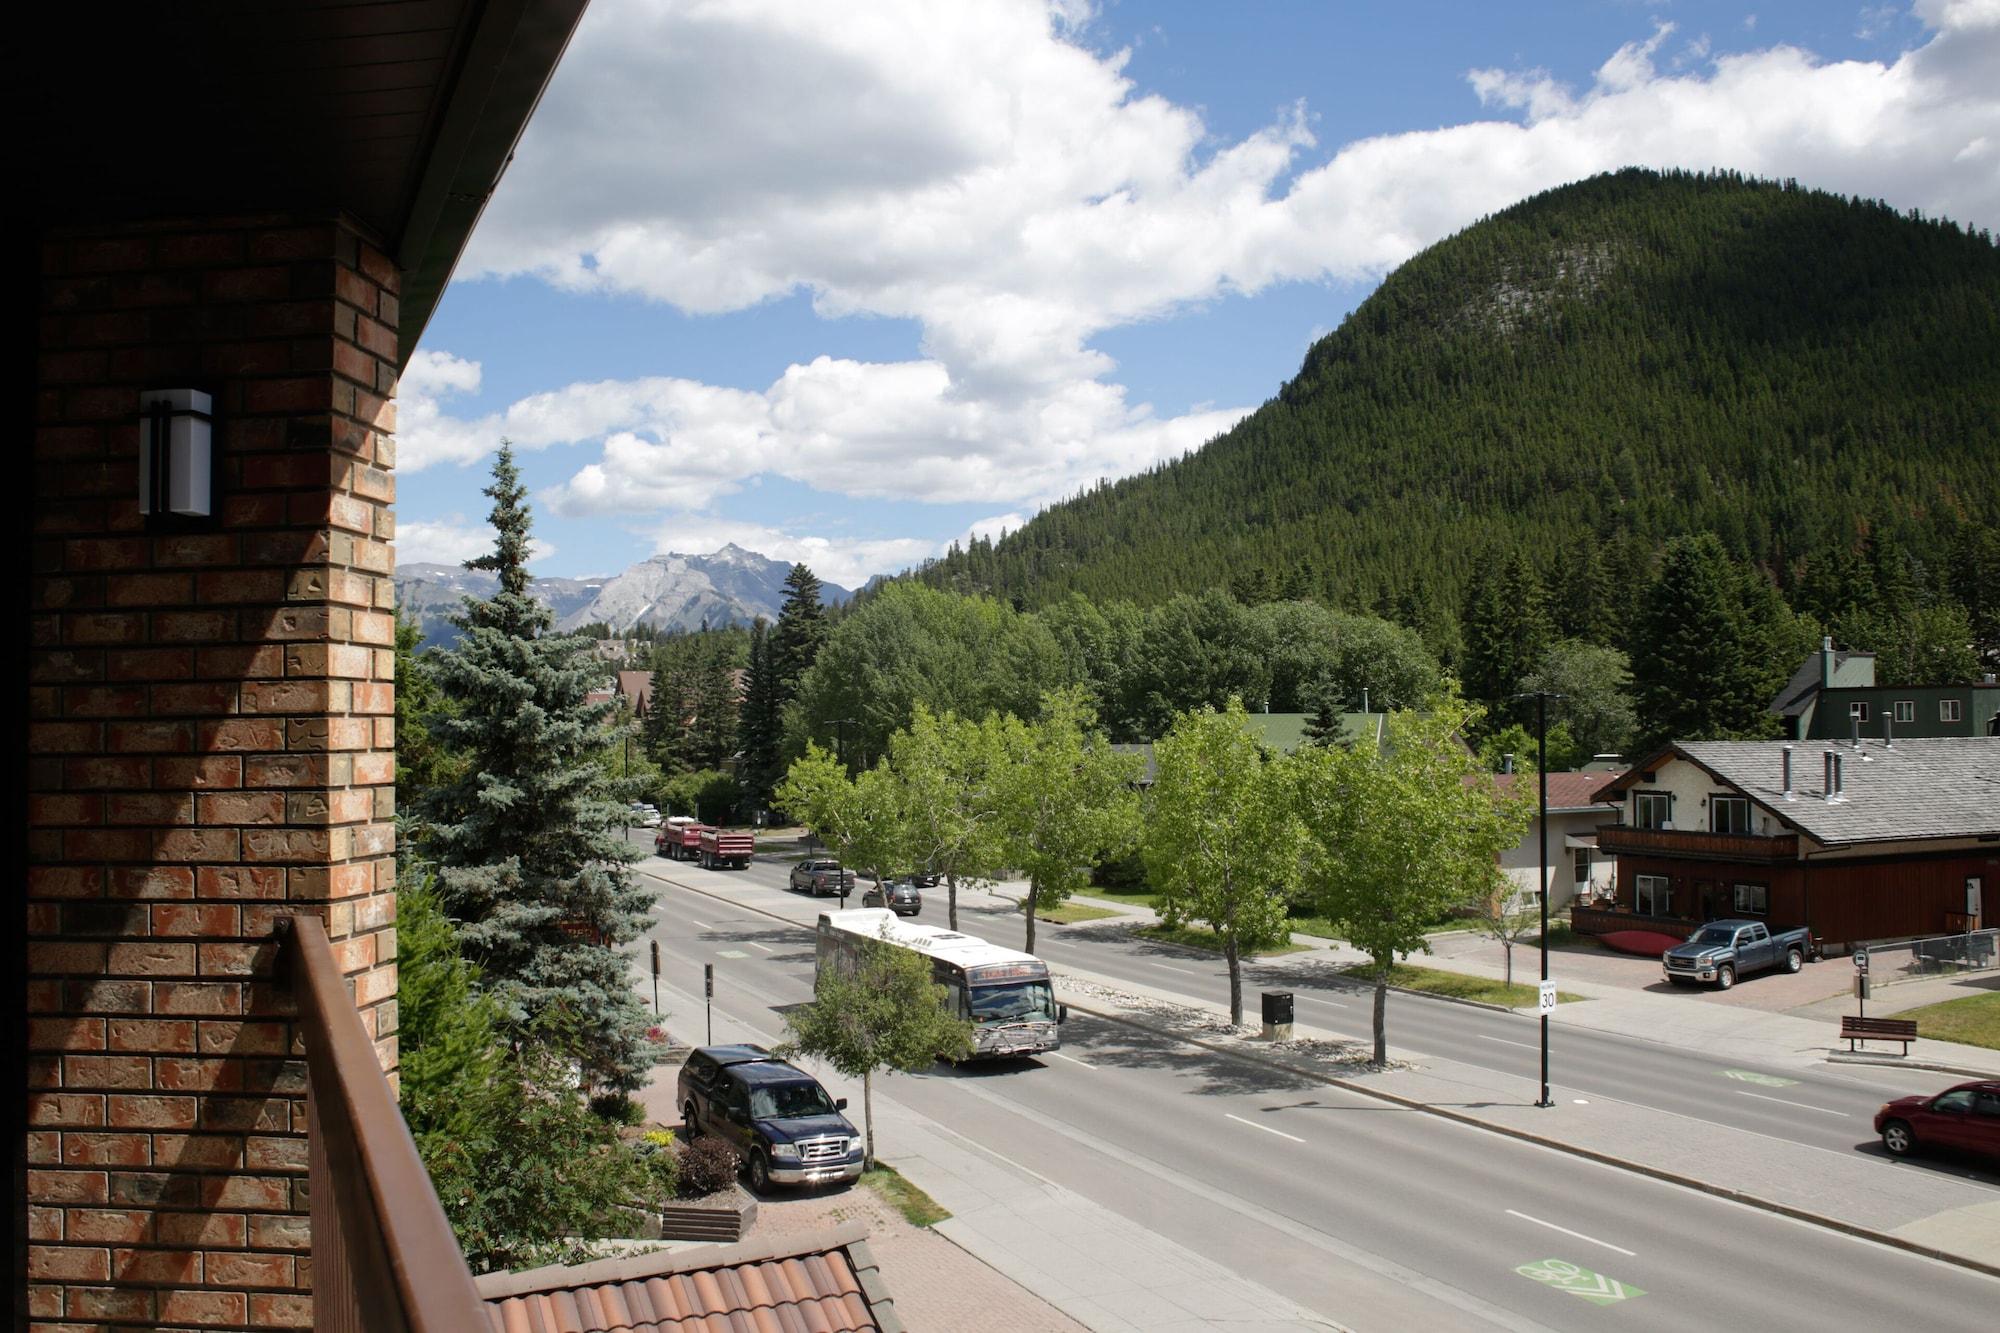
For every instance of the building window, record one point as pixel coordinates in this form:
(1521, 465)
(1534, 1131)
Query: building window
(1582, 860)
(1652, 809)
(1652, 895)
(1948, 710)
(1858, 711)
(1729, 814)
(1753, 899)
(1906, 710)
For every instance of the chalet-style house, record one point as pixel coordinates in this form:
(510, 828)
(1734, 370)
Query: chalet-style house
(1887, 839)
(1833, 697)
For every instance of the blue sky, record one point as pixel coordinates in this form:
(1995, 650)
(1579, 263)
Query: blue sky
(846, 283)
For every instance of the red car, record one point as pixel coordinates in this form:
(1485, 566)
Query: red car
(1963, 1119)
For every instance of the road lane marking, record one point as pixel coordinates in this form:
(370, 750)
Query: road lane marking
(703, 924)
(1331, 1004)
(1803, 1106)
(1524, 1045)
(765, 947)
(1171, 968)
(1266, 1128)
(1072, 1059)
(1629, 1254)
(730, 953)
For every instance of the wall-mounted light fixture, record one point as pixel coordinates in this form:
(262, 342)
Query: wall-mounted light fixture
(176, 454)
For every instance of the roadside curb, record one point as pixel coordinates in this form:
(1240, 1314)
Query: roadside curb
(1897, 1062)
(1558, 1145)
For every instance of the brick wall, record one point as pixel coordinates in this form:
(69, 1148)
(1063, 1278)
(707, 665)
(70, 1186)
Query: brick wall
(210, 745)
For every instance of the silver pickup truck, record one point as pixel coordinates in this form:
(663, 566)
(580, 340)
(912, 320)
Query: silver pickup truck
(1722, 951)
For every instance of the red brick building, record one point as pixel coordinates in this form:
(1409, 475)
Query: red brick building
(259, 204)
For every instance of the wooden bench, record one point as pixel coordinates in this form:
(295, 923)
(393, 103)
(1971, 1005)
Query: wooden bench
(1864, 1030)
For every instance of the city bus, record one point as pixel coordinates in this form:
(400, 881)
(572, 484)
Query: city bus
(1006, 994)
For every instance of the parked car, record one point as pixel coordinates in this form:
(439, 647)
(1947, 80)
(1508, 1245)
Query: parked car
(774, 1113)
(1722, 951)
(901, 896)
(822, 878)
(926, 879)
(1965, 1118)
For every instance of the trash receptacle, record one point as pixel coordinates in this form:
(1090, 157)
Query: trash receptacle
(1277, 1015)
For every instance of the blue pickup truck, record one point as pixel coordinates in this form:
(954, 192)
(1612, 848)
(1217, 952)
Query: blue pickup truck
(1722, 951)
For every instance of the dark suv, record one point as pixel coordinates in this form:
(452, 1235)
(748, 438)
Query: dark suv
(901, 896)
(777, 1115)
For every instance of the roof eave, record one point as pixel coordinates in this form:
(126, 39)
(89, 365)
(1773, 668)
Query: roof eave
(510, 56)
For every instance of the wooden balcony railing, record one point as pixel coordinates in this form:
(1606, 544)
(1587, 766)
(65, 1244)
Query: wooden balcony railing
(1629, 838)
(384, 1257)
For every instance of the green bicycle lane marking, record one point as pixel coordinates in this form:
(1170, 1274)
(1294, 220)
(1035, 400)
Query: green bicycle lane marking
(1579, 1281)
(1761, 1080)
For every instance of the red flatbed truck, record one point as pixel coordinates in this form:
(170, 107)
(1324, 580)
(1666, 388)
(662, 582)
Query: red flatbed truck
(679, 838)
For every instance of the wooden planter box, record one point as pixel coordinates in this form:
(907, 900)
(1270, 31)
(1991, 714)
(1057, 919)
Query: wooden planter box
(724, 1216)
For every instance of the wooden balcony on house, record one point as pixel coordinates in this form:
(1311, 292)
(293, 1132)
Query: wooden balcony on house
(384, 1257)
(1696, 844)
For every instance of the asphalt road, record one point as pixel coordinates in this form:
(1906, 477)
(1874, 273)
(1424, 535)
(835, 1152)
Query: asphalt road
(1380, 1217)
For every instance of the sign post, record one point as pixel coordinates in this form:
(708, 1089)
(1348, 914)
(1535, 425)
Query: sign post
(1861, 983)
(708, 997)
(656, 978)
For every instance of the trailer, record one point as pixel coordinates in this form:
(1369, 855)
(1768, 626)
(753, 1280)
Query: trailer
(725, 848)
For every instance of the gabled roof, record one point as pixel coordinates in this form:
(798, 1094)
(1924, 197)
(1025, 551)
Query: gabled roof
(1568, 792)
(1922, 787)
(1810, 678)
(826, 1281)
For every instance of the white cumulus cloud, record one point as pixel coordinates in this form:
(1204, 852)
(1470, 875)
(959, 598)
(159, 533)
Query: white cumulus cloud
(453, 540)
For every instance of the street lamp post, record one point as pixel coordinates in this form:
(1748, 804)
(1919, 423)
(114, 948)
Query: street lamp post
(1541, 698)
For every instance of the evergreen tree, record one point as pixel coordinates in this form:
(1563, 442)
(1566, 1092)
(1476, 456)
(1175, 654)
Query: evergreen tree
(711, 733)
(760, 724)
(1323, 727)
(422, 763)
(527, 843)
(1507, 631)
(800, 631)
(1698, 670)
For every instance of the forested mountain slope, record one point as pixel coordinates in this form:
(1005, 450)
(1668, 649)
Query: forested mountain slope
(1605, 366)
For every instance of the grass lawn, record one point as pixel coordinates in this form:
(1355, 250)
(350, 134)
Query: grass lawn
(1201, 937)
(1459, 986)
(1974, 1020)
(1131, 897)
(1068, 914)
(919, 1208)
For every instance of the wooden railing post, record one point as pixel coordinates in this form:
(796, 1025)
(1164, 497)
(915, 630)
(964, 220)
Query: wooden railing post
(384, 1257)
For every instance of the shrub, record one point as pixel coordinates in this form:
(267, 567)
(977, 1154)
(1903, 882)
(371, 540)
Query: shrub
(654, 1151)
(617, 1108)
(707, 1165)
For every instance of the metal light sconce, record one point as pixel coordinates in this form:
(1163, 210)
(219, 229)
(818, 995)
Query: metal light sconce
(176, 454)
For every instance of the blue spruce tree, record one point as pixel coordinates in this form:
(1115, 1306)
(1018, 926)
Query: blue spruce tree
(527, 841)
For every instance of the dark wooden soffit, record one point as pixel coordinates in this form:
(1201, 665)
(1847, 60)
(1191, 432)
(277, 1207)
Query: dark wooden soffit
(401, 114)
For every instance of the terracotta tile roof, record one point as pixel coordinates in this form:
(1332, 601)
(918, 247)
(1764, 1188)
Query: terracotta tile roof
(1567, 791)
(821, 1282)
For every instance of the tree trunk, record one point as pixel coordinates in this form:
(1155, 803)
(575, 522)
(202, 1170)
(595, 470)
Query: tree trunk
(1381, 1013)
(951, 897)
(1507, 947)
(1235, 956)
(1028, 906)
(868, 1117)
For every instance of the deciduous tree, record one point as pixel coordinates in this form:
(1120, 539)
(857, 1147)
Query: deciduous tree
(1222, 837)
(1396, 837)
